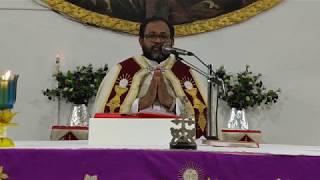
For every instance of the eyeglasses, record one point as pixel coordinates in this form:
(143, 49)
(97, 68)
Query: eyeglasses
(154, 37)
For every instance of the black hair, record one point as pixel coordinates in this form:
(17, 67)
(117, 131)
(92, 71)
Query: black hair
(154, 19)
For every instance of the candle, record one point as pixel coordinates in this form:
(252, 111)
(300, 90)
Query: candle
(12, 91)
(8, 86)
(57, 67)
(4, 90)
(7, 79)
(15, 85)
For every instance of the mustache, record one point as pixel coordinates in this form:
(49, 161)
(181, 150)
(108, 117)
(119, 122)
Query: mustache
(156, 47)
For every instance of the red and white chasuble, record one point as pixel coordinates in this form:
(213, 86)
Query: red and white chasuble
(122, 85)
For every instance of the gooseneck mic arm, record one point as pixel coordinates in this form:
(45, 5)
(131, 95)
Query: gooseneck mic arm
(210, 76)
(195, 68)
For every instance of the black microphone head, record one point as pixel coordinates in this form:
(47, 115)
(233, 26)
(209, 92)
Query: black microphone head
(166, 49)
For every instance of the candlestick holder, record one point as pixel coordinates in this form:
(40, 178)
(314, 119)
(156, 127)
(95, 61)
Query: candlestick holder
(5, 120)
(8, 89)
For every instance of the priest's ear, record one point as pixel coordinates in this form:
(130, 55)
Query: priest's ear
(140, 41)
(172, 42)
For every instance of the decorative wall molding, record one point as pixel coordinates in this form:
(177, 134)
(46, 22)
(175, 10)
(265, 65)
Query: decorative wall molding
(199, 26)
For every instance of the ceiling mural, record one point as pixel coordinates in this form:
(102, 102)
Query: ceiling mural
(189, 16)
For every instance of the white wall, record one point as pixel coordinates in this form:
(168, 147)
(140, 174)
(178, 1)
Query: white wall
(281, 43)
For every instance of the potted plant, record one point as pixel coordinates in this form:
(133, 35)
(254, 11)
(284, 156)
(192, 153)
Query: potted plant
(244, 90)
(77, 87)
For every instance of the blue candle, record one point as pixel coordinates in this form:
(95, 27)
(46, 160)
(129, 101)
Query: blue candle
(14, 89)
(11, 91)
(8, 84)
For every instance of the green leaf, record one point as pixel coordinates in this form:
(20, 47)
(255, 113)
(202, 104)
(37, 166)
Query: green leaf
(77, 86)
(247, 90)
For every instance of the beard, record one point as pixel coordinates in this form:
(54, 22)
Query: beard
(154, 53)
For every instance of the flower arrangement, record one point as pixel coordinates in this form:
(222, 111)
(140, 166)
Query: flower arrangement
(245, 89)
(77, 86)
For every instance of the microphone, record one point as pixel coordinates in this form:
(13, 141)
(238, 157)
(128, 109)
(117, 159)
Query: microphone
(167, 49)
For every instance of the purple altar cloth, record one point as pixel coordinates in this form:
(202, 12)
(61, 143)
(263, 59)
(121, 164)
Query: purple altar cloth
(105, 164)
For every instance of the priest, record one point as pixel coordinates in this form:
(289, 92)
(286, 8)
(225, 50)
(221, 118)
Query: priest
(154, 81)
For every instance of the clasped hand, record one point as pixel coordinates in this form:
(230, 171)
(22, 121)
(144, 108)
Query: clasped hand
(156, 90)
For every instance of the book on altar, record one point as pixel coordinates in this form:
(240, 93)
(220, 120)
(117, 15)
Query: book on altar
(219, 143)
(248, 135)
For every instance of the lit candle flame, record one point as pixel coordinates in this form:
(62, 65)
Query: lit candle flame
(6, 76)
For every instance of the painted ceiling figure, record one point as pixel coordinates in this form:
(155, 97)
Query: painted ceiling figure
(177, 11)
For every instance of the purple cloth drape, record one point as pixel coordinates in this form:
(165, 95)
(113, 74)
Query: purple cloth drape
(65, 164)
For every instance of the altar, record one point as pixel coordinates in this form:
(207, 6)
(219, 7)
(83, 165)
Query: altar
(38, 160)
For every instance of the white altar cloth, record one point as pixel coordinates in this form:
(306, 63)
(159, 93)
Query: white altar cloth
(276, 149)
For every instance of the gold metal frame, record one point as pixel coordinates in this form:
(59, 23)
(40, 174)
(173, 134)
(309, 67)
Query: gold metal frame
(200, 26)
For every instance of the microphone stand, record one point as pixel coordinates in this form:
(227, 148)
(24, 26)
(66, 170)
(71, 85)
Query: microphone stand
(210, 76)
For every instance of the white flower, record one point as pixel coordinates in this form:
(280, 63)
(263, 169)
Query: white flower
(230, 93)
(233, 81)
(247, 98)
(254, 91)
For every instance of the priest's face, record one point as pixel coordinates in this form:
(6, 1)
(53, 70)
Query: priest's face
(156, 34)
